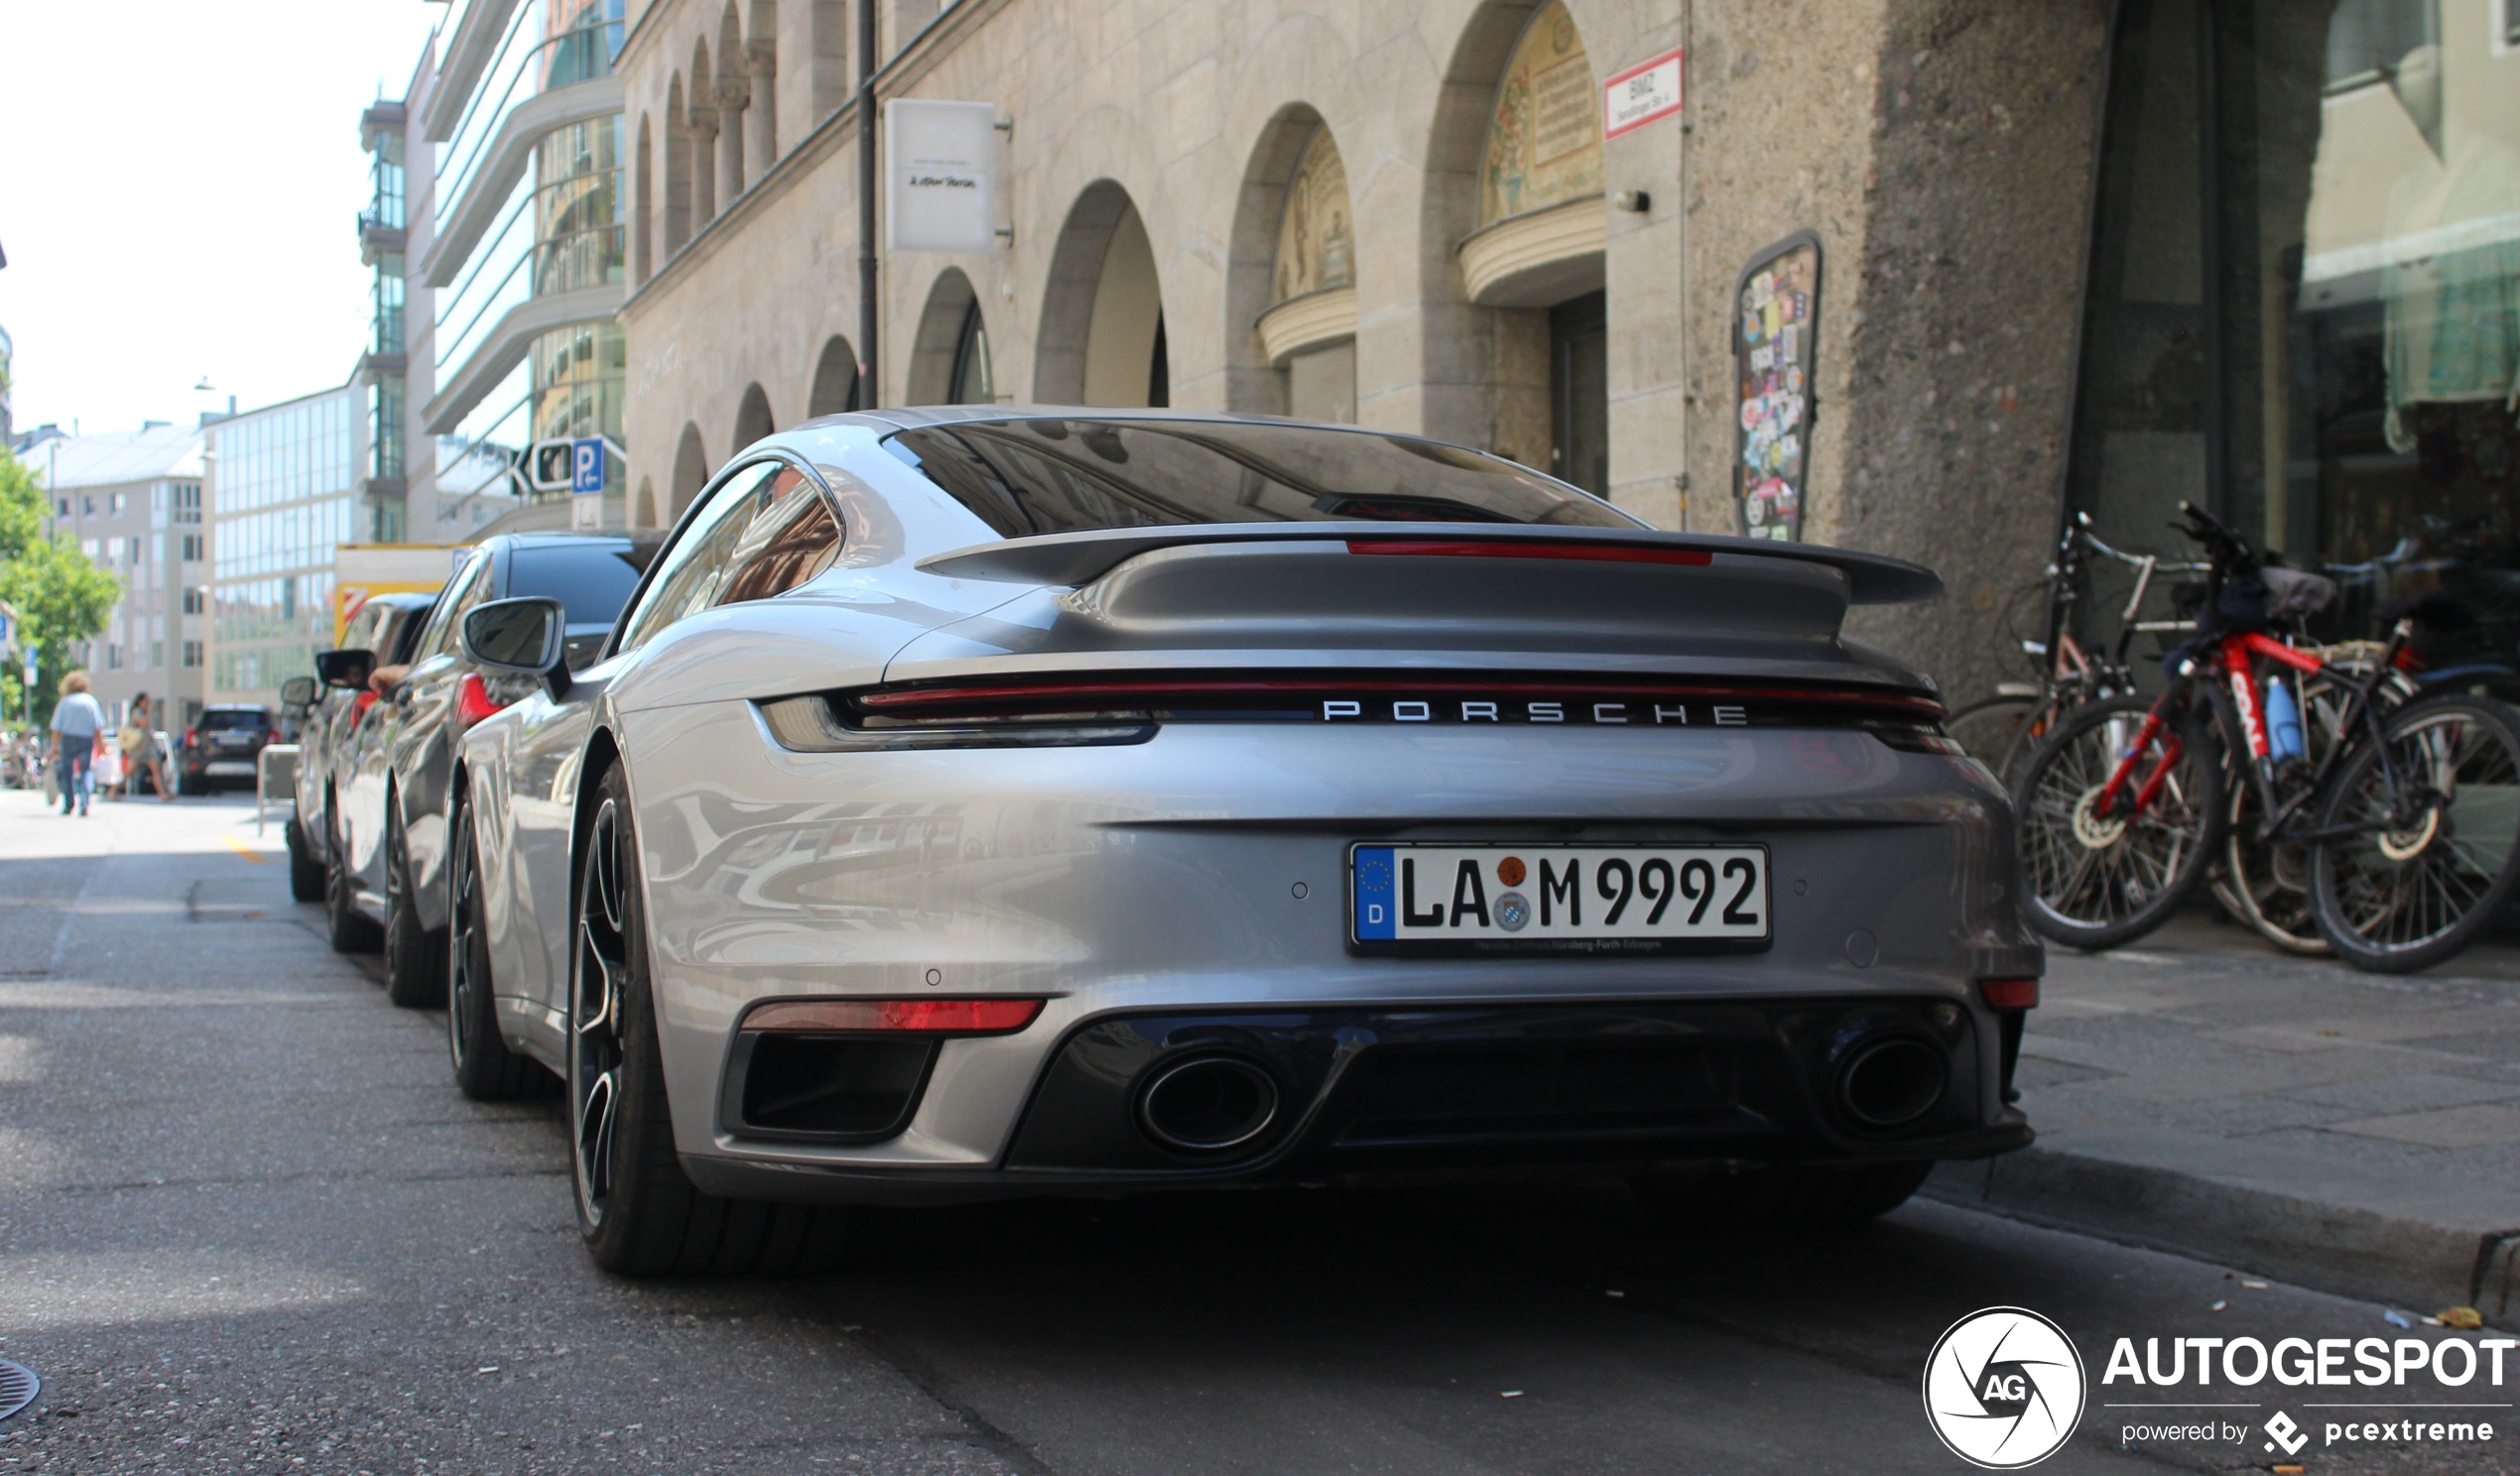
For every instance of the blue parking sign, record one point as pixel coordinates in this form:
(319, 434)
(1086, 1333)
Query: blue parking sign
(587, 465)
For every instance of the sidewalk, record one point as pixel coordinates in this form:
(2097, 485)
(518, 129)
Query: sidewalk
(2357, 1133)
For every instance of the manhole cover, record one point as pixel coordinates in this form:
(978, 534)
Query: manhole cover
(17, 1385)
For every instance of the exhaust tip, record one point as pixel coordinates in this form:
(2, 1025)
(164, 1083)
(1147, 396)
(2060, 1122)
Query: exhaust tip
(1207, 1104)
(1891, 1083)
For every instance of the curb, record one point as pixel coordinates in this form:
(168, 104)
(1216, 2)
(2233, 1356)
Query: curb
(2351, 1252)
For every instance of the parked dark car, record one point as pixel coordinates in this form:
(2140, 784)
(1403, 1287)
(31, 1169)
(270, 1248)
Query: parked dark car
(222, 748)
(387, 844)
(382, 633)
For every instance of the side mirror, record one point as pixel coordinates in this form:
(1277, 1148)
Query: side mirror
(297, 692)
(346, 667)
(525, 635)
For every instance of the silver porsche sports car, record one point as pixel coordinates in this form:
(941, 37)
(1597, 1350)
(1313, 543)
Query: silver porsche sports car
(995, 800)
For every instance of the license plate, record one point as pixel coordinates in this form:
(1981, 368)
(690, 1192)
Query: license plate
(1556, 899)
(228, 768)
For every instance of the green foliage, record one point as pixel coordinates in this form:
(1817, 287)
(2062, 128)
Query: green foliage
(20, 506)
(61, 595)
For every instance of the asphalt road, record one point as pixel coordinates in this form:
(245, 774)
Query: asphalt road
(247, 1226)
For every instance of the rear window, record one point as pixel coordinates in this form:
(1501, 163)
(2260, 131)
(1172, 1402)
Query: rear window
(235, 723)
(591, 583)
(1033, 476)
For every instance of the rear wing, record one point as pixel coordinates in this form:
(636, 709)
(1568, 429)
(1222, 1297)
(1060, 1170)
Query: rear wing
(1072, 559)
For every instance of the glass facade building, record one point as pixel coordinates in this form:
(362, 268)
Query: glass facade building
(282, 495)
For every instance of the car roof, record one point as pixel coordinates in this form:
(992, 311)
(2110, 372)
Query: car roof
(236, 708)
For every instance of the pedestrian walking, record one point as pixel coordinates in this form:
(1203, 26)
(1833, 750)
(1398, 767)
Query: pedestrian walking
(79, 729)
(141, 752)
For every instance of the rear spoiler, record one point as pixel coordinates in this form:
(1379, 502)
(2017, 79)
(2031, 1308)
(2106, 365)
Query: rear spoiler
(1081, 557)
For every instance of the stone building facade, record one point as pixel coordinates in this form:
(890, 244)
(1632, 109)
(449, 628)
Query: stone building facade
(2009, 258)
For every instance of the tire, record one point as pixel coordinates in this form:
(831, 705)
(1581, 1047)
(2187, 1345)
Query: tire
(349, 930)
(1783, 1196)
(1992, 732)
(637, 1211)
(2266, 885)
(2094, 883)
(415, 957)
(2403, 897)
(305, 873)
(486, 1070)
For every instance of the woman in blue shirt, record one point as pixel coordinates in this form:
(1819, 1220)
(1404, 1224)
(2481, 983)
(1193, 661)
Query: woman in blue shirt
(76, 722)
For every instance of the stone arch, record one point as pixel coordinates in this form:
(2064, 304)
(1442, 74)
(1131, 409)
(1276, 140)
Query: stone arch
(1283, 324)
(752, 417)
(643, 511)
(676, 225)
(642, 206)
(699, 119)
(735, 106)
(761, 68)
(1532, 337)
(1102, 338)
(835, 380)
(950, 361)
(690, 468)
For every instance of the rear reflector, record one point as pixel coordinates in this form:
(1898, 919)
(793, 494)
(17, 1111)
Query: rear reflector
(964, 1017)
(2009, 994)
(1478, 549)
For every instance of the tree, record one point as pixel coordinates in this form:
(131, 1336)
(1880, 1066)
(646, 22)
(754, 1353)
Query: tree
(60, 593)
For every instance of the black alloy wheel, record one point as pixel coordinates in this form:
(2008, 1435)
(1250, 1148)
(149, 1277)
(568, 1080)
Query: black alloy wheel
(637, 1211)
(412, 955)
(486, 1070)
(349, 930)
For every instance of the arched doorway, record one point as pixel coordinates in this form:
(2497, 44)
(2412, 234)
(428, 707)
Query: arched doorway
(950, 360)
(1102, 338)
(752, 416)
(835, 380)
(690, 468)
(1535, 258)
(1308, 333)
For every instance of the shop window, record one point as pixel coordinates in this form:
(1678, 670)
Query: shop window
(2303, 301)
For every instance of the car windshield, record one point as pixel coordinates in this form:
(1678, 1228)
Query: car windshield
(591, 582)
(1029, 476)
(250, 723)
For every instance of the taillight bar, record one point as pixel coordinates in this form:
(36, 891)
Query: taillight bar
(931, 1016)
(911, 699)
(1481, 548)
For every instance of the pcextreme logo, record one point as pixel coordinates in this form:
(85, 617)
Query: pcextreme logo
(2004, 1387)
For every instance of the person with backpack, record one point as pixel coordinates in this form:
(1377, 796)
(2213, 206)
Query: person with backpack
(78, 725)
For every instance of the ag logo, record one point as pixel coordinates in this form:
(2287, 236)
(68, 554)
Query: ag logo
(2004, 1387)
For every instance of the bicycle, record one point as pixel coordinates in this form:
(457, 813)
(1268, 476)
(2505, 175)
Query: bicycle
(2003, 729)
(2402, 823)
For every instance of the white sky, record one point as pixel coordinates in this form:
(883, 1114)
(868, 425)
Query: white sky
(180, 183)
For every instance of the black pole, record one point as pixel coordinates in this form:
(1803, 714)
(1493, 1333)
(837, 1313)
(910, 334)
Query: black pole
(866, 306)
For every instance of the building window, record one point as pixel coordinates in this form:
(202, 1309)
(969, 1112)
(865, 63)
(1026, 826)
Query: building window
(193, 601)
(2311, 325)
(157, 655)
(192, 548)
(113, 656)
(385, 427)
(192, 655)
(187, 502)
(385, 305)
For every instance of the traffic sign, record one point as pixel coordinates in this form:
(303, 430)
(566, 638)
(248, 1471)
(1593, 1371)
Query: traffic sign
(587, 465)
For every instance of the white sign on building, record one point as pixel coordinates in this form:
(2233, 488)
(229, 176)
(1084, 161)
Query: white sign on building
(941, 175)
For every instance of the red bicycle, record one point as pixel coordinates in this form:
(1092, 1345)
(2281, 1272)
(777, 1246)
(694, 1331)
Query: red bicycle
(2398, 813)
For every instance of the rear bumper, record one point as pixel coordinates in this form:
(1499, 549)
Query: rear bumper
(1378, 1091)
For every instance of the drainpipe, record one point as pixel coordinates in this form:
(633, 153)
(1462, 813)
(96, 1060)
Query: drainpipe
(867, 314)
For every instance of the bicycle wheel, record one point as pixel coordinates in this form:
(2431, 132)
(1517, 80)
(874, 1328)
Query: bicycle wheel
(2266, 883)
(2094, 882)
(1991, 731)
(2432, 859)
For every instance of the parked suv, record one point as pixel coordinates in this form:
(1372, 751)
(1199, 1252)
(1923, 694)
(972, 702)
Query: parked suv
(387, 844)
(382, 633)
(221, 749)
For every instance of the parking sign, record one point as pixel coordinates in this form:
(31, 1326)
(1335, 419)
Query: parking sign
(587, 465)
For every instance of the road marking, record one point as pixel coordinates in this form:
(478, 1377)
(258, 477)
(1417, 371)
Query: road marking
(244, 850)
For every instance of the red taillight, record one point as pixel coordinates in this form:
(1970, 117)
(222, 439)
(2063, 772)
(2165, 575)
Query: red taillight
(1473, 549)
(2009, 994)
(963, 1017)
(472, 700)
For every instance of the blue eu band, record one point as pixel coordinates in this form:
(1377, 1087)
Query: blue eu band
(1375, 907)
